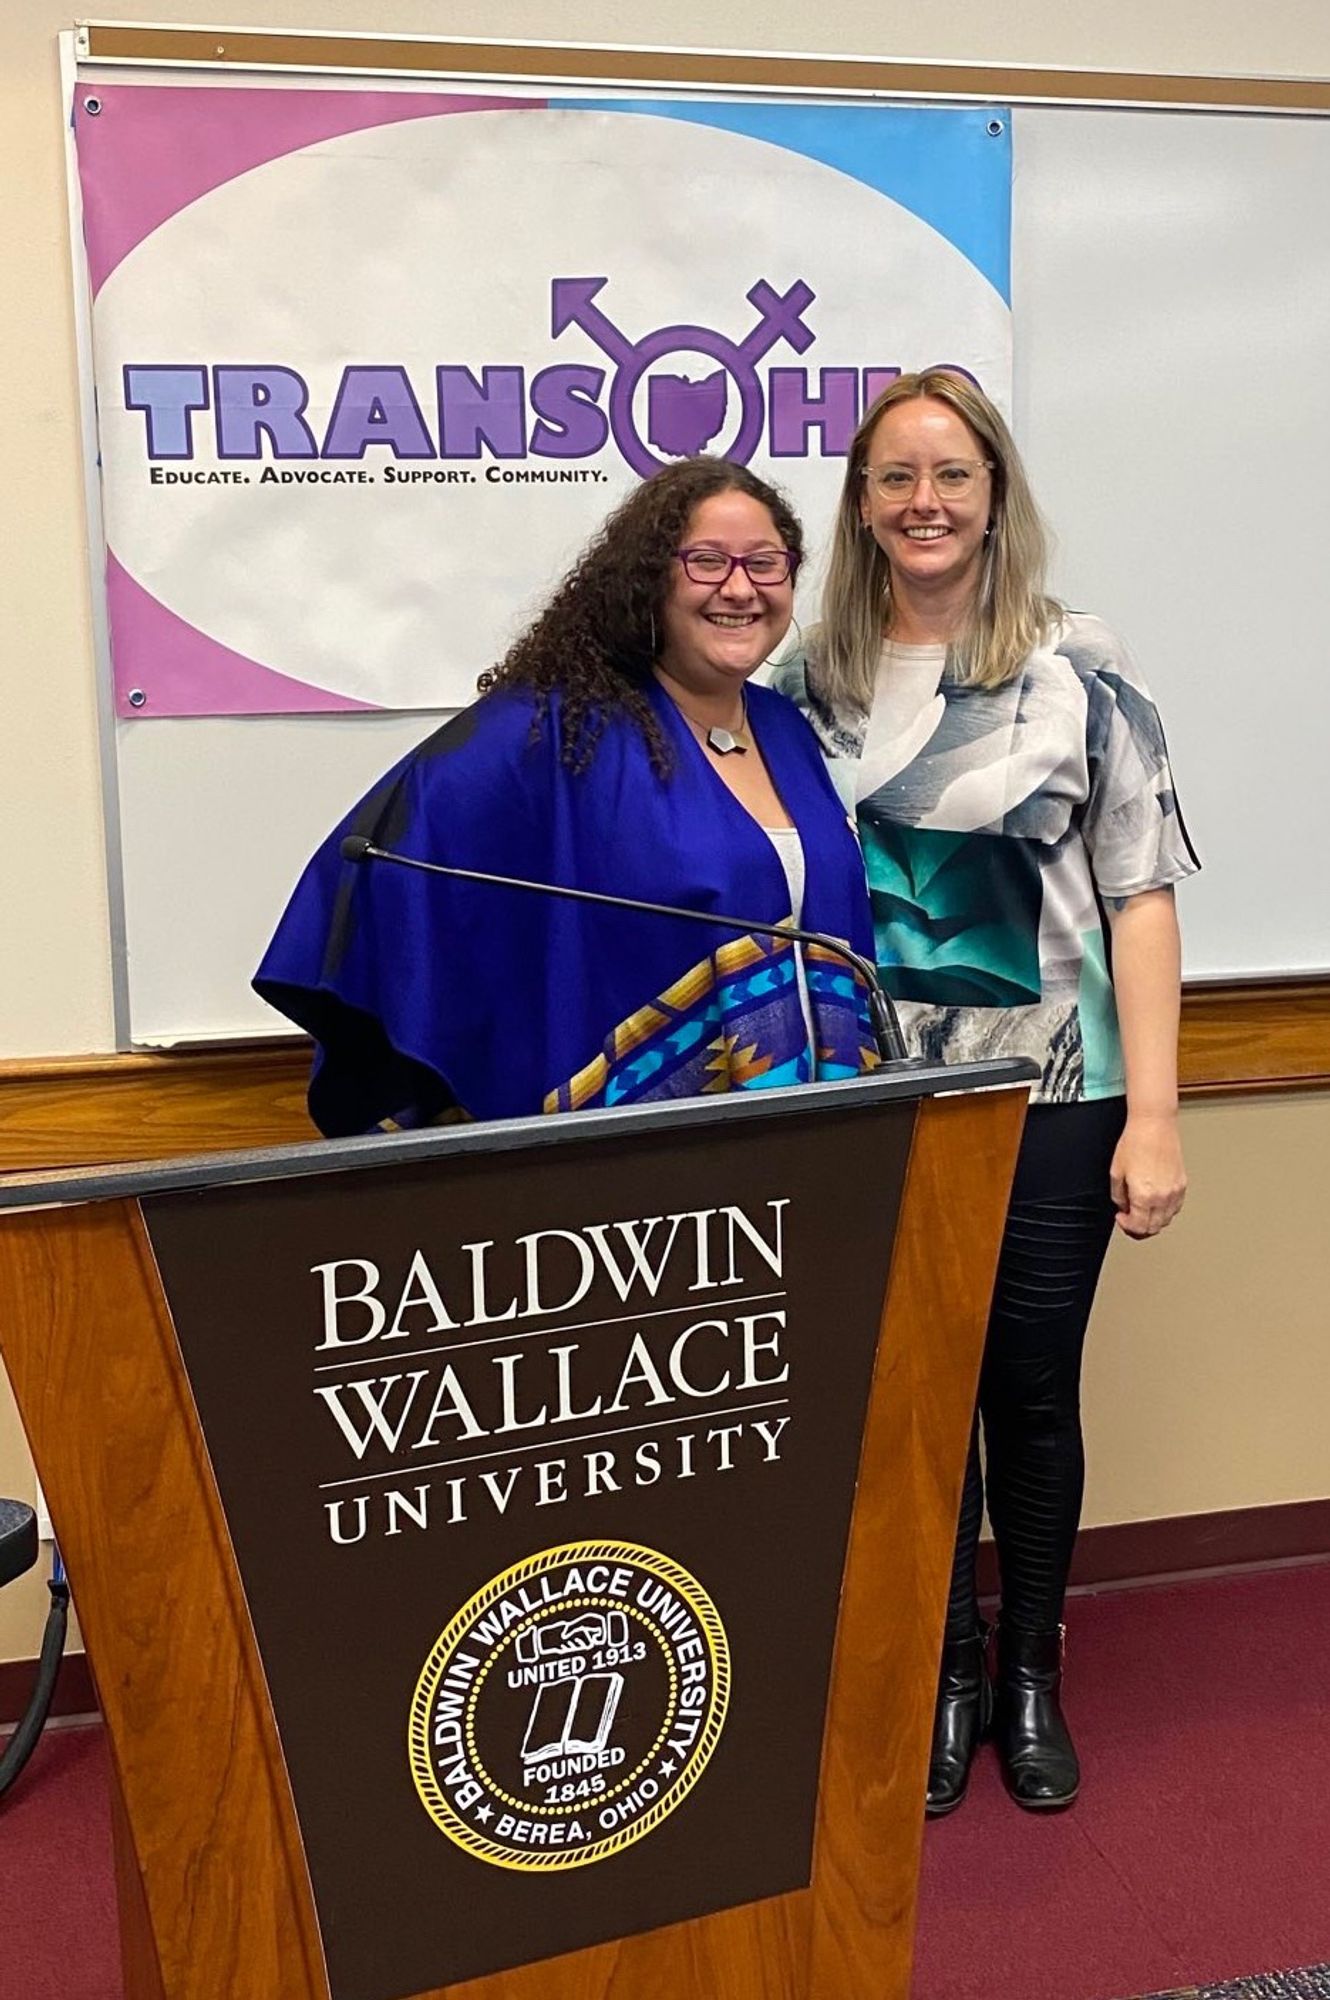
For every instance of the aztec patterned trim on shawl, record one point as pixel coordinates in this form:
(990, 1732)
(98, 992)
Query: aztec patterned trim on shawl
(713, 1030)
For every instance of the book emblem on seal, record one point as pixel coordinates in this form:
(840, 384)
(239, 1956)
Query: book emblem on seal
(569, 1706)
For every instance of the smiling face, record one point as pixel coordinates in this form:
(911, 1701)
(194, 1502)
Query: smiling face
(715, 634)
(932, 540)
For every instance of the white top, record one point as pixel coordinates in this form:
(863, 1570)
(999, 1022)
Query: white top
(790, 853)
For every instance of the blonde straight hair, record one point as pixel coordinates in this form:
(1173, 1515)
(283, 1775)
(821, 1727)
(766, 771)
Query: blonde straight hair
(1011, 612)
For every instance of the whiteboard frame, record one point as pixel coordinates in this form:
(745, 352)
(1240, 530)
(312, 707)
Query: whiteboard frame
(108, 765)
(805, 73)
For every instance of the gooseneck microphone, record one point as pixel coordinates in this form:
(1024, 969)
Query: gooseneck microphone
(886, 1027)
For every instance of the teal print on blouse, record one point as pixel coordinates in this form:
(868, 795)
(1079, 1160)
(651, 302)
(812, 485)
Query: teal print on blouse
(1101, 1043)
(955, 915)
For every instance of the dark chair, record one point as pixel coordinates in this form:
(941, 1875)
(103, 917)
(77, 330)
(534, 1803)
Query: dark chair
(18, 1552)
(18, 1539)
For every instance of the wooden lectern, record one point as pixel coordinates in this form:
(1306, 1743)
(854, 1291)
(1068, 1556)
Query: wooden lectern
(513, 1558)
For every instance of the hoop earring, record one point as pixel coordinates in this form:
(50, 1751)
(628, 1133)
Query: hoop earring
(652, 616)
(784, 659)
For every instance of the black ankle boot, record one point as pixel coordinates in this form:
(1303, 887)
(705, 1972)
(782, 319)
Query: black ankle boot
(960, 1720)
(1038, 1757)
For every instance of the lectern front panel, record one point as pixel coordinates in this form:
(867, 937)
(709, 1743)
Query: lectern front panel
(538, 1471)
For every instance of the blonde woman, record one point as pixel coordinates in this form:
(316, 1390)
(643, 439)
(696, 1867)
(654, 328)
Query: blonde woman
(1010, 782)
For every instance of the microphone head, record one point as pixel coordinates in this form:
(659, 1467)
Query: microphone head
(356, 847)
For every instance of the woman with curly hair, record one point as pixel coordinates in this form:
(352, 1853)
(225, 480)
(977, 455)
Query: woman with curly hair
(618, 747)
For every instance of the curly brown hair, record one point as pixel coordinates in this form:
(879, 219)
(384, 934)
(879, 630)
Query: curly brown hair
(598, 638)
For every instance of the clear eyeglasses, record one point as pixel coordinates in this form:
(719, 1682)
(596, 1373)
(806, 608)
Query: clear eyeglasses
(951, 481)
(714, 566)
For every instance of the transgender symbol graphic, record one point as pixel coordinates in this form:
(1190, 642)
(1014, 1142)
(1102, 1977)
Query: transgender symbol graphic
(682, 416)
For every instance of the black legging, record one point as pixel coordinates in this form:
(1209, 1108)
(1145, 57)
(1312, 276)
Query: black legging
(1058, 1229)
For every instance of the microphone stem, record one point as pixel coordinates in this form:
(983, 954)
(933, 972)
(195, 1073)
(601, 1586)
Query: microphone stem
(886, 1027)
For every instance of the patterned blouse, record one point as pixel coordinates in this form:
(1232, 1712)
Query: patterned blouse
(995, 826)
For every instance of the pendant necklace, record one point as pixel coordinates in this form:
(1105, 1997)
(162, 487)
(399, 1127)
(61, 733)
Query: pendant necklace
(723, 741)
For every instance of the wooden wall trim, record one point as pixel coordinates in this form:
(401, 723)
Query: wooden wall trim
(74, 1111)
(75, 1690)
(1179, 1547)
(692, 69)
(1251, 1036)
(1188, 1546)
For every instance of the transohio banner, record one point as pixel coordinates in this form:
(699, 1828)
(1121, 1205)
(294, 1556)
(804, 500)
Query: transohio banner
(372, 365)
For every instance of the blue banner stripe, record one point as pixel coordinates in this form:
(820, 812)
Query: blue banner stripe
(945, 166)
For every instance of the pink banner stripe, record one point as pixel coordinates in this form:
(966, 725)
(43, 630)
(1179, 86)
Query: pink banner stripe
(181, 671)
(148, 153)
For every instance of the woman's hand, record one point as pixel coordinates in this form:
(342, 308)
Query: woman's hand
(1147, 1179)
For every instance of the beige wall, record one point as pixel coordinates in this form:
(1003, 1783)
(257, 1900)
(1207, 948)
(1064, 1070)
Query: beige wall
(1208, 1378)
(23, 1604)
(1208, 1367)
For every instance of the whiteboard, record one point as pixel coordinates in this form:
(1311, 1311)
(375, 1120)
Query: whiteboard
(1171, 292)
(1172, 332)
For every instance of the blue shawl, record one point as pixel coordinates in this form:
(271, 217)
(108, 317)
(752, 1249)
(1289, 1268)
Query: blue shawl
(424, 994)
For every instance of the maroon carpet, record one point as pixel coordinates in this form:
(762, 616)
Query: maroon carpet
(57, 1897)
(1200, 1847)
(1199, 1852)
